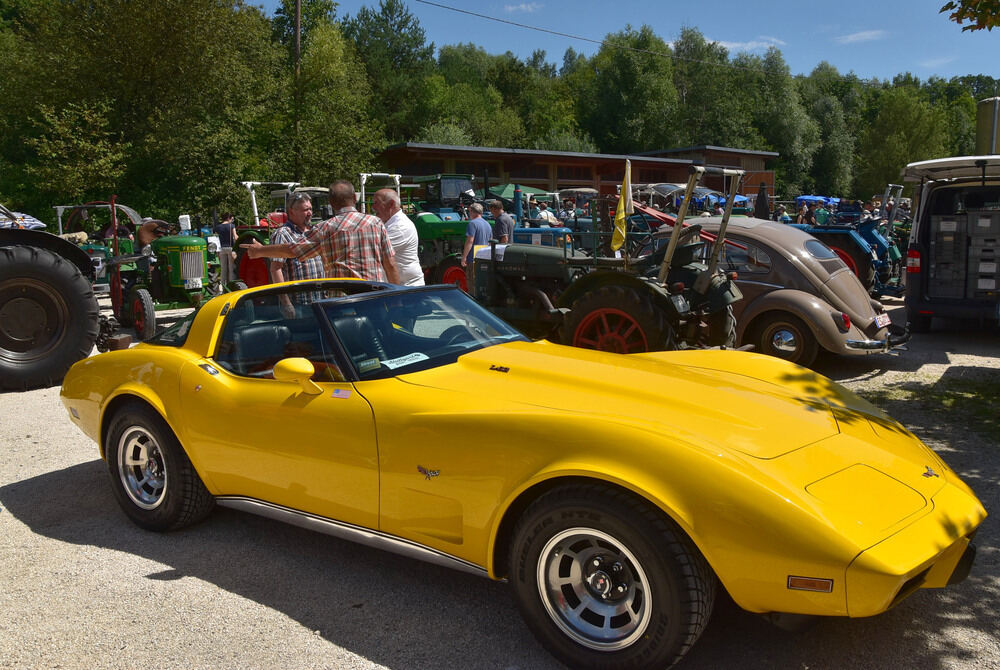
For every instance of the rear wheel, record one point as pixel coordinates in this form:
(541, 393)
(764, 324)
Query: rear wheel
(785, 336)
(450, 271)
(48, 317)
(152, 478)
(604, 581)
(618, 319)
(142, 312)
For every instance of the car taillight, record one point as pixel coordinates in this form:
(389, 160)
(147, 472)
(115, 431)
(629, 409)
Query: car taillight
(912, 261)
(845, 321)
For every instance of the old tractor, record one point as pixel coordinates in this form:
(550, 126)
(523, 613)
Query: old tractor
(143, 264)
(667, 298)
(49, 316)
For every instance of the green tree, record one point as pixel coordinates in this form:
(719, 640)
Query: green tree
(631, 100)
(448, 133)
(314, 13)
(397, 58)
(339, 133)
(906, 129)
(78, 157)
(832, 169)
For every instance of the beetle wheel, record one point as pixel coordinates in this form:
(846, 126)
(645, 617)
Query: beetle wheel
(605, 581)
(786, 336)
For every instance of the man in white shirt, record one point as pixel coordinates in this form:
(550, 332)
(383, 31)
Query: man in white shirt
(402, 236)
(545, 215)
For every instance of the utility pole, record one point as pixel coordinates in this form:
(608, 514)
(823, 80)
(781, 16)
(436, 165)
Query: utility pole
(298, 90)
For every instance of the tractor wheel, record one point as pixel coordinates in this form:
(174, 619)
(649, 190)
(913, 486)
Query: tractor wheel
(450, 271)
(142, 313)
(252, 271)
(858, 262)
(116, 284)
(236, 285)
(49, 317)
(618, 319)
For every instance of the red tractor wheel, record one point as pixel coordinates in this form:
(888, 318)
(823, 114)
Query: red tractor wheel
(450, 271)
(616, 319)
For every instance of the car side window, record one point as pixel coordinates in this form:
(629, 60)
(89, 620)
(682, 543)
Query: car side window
(264, 328)
(752, 260)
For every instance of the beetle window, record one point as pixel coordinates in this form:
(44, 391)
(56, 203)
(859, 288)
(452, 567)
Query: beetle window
(819, 251)
(752, 260)
(263, 328)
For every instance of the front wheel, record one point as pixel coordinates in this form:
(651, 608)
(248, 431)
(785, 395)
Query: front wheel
(152, 478)
(143, 313)
(604, 581)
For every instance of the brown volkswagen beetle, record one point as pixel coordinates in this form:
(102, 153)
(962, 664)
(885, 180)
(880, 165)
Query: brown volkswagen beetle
(798, 295)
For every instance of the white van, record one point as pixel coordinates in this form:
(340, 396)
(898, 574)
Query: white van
(954, 255)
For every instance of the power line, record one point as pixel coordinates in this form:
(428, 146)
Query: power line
(602, 43)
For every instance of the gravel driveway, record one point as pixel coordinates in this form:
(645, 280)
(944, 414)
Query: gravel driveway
(81, 587)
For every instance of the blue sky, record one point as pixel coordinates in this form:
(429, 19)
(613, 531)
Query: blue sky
(872, 38)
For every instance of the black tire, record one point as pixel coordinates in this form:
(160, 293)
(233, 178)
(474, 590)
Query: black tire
(722, 328)
(152, 477)
(620, 319)
(142, 313)
(587, 556)
(236, 285)
(49, 318)
(785, 336)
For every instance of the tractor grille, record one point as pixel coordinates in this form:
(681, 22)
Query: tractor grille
(192, 264)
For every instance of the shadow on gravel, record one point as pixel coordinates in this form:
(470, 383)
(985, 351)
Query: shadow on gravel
(393, 610)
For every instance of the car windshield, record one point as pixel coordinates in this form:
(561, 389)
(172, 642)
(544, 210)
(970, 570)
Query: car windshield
(396, 332)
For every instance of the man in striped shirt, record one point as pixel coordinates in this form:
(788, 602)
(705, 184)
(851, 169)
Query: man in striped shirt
(351, 244)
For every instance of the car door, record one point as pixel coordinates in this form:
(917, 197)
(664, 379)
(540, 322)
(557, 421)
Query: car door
(251, 435)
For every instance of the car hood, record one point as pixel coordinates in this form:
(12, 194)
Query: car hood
(851, 296)
(746, 402)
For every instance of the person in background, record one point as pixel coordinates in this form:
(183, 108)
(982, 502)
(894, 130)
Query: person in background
(402, 235)
(226, 230)
(503, 223)
(476, 232)
(545, 216)
(822, 214)
(292, 269)
(351, 244)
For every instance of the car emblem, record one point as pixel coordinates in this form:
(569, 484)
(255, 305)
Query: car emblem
(427, 473)
(930, 473)
(500, 368)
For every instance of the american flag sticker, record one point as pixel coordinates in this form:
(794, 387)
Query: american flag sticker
(341, 393)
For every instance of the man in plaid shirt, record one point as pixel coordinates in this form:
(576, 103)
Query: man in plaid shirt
(351, 244)
(299, 214)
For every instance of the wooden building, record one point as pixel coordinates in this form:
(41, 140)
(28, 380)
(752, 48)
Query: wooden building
(557, 170)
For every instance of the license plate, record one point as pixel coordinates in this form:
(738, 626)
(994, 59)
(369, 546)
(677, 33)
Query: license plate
(882, 320)
(192, 283)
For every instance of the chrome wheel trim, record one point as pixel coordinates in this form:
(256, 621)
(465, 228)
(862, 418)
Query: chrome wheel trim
(141, 468)
(783, 340)
(594, 589)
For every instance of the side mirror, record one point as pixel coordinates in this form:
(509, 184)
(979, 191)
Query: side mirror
(297, 370)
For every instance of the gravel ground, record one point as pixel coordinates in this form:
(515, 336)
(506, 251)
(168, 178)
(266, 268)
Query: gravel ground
(81, 587)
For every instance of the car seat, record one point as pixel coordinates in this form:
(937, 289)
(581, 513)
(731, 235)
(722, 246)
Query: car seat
(359, 338)
(258, 347)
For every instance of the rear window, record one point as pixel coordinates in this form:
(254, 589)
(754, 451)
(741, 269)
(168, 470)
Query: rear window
(819, 251)
(961, 200)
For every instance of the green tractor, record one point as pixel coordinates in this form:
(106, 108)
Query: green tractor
(667, 298)
(436, 207)
(142, 264)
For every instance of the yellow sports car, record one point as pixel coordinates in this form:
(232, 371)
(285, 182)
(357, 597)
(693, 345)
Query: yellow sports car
(616, 493)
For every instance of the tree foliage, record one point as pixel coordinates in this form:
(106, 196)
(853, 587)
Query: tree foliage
(170, 104)
(978, 14)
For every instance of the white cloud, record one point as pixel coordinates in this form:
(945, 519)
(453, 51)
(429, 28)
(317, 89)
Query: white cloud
(760, 44)
(937, 62)
(528, 7)
(863, 36)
